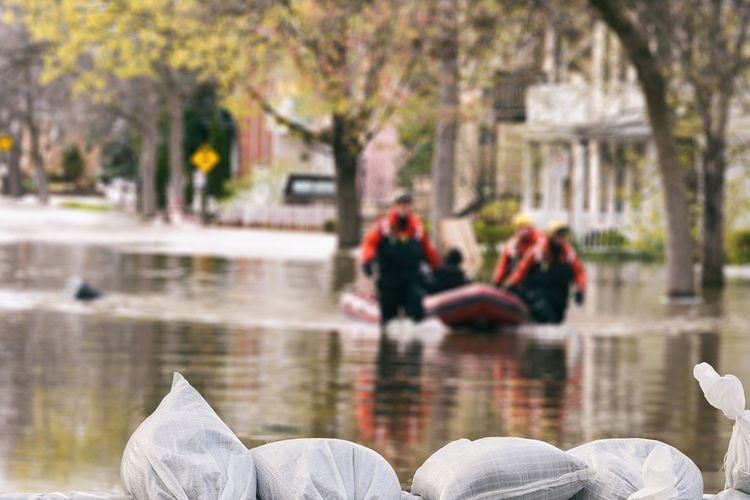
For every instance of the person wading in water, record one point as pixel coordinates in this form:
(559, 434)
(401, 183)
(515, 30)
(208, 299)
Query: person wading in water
(399, 245)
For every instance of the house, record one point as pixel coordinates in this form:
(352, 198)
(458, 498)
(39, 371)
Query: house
(588, 157)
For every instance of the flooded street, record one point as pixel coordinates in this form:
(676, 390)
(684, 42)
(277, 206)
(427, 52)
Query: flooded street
(263, 342)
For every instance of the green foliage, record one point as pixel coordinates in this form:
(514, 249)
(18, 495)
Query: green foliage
(490, 234)
(237, 186)
(499, 212)
(417, 140)
(119, 159)
(650, 235)
(73, 163)
(738, 246)
(207, 122)
(162, 162)
(86, 206)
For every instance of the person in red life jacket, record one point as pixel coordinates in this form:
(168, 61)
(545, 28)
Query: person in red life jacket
(525, 238)
(399, 246)
(544, 276)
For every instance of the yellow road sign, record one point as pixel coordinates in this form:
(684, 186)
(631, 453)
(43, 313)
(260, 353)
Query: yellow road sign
(205, 158)
(6, 142)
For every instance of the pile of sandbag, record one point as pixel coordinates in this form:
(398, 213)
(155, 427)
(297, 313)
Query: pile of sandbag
(184, 451)
(727, 394)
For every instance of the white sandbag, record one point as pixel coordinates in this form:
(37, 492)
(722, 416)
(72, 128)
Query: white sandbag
(658, 476)
(73, 495)
(626, 467)
(324, 469)
(405, 495)
(499, 467)
(728, 495)
(184, 451)
(726, 394)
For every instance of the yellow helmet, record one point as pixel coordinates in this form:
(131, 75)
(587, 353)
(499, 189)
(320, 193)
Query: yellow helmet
(556, 226)
(522, 220)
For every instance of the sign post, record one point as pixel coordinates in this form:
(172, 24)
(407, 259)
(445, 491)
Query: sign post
(6, 144)
(205, 159)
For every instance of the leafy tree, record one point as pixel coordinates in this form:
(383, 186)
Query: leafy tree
(119, 159)
(349, 65)
(73, 163)
(712, 40)
(156, 47)
(654, 78)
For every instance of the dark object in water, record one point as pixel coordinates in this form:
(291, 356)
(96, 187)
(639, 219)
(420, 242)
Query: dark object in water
(87, 292)
(80, 289)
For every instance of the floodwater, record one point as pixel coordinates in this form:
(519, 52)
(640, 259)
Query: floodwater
(264, 344)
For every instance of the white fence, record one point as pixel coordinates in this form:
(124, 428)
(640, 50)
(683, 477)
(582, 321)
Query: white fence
(278, 216)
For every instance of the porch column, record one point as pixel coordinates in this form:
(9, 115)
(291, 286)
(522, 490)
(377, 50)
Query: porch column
(546, 180)
(577, 185)
(527, 186)
(594, 180)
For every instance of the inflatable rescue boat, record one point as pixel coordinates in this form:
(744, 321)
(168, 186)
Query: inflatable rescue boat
(474, 305)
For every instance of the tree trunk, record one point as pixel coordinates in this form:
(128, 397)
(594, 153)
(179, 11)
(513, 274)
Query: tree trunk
(36, 155)
(713, 215)
(680, 279)
(37, 160)
(14, 188)
(443, 161)
(176, 155)
(346, 154)
(147, 170)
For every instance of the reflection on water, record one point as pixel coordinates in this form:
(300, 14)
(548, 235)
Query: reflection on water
(75, 383)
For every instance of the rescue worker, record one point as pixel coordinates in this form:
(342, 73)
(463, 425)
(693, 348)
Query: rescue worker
(449, 275)
(525, 238)
(399, 246)
(544, 276)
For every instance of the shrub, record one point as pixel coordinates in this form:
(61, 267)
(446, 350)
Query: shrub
(490, 234)
(73, 163)
(738, 246)
(499, 212)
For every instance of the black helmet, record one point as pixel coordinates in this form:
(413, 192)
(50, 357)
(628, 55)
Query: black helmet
(454, 257)
(401, 196)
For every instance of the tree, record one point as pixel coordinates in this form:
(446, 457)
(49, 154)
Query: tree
(26, 100)
(444, 158)
(351, 63)
(104, 44)
(73, 163)
(653, 76)
(711, 37)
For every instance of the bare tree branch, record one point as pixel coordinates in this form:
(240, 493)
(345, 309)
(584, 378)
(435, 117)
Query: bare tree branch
(307, 134)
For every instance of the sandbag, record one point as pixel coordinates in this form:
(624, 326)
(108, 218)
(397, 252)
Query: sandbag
(620, 465)
(726, 394)
(73, 495)
(184, 451)
(499, 467)
(324, 469)
(658, 476)
(728, 495)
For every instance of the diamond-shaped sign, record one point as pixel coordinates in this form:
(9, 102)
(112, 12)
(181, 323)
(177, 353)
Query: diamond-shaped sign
(6, 142)
(205, 158)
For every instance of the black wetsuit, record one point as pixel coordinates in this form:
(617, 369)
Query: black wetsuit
(547, 288)
(400, 281)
